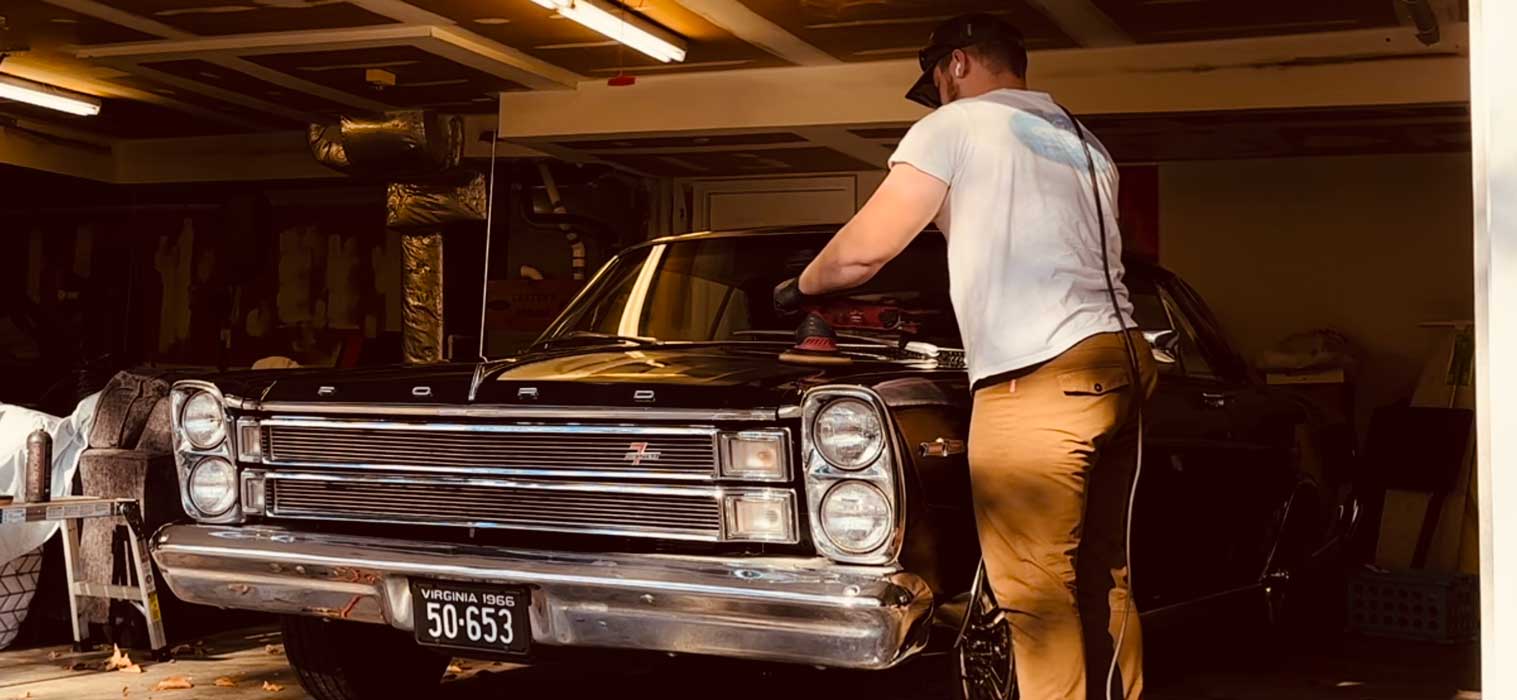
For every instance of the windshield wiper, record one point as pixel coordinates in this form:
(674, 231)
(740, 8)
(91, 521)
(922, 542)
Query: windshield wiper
(915, 348)
(591, 335)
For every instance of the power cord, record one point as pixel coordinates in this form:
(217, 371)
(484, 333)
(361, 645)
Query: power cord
(1135, 380)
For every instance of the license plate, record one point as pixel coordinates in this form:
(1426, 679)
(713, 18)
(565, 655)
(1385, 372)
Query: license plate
(475, 616)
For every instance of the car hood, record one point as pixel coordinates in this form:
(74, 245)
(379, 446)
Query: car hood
(671, 375)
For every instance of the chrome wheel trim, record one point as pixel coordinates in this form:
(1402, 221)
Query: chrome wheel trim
(986, 668)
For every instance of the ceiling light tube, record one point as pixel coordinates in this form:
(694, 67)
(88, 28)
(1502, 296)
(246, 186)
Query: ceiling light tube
(42, 95)
(622, 26)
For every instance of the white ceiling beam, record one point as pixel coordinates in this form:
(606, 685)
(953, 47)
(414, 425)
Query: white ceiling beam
(21, 147)
(294, 84)
(1083, 22)
(750, 26)
(1368, 67)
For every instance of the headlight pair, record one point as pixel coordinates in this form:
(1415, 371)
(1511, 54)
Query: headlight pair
(208, 478)
(850, 475)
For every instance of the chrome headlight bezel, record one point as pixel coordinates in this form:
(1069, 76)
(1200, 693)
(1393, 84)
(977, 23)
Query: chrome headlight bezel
(822, 475)
(188, 454)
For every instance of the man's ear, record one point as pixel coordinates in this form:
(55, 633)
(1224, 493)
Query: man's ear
(958, 64)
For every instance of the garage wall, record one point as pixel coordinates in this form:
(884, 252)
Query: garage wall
(1368, 245)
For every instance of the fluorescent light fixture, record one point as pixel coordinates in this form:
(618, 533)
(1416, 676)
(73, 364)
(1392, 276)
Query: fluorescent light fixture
(622, 26)
(43, 95)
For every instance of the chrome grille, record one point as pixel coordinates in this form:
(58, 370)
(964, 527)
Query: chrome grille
(584, 451)
(667, 512)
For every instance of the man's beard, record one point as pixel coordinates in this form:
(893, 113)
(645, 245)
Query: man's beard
(952, 90)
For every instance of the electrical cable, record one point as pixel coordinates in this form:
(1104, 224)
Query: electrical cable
(1135, 380)
(484, 294)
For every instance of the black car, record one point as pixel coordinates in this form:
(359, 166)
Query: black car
(652, 475)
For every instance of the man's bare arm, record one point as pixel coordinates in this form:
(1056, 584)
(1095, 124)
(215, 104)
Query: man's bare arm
(903, 205)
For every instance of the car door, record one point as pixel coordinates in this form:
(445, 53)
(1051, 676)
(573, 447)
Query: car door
(1236, 466)
(1182, 434)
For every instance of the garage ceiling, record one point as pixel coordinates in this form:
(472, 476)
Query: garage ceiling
(205, 67)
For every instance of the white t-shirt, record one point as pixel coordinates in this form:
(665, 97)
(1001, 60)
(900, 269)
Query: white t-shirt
(1024, 261)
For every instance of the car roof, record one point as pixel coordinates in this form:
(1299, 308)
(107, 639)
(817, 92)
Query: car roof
(1133, 264)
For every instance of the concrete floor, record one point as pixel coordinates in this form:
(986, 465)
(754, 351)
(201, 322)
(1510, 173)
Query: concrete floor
(1338, 669)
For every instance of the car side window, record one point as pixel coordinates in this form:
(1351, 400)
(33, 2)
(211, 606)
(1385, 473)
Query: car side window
(1192, 361)
(1152, 317)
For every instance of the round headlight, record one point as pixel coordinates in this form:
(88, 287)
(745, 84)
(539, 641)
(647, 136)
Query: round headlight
(849, 434)
(856, 517)
(203, 420)
(213, 486)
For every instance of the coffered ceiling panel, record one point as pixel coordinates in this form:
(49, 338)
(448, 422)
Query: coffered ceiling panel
(241, 83)
(218, 17)
(883, 29)
(422, 79)
(40, 25)
(543, 34)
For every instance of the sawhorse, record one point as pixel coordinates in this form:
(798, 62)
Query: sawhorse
(70, 510)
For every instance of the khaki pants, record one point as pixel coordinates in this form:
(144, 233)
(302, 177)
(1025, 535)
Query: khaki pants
(1051, 457)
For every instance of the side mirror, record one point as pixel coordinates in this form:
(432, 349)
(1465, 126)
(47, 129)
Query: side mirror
(1165, 344)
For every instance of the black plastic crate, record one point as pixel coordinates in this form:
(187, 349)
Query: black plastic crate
(1418, 605)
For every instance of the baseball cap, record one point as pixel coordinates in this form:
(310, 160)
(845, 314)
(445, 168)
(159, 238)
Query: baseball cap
(957, 33)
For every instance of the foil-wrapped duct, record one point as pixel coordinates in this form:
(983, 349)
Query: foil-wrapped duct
(421, 309)
(412, 205)
(402, 145)
(325, 141)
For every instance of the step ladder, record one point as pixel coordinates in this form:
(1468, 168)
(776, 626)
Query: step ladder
(70, 510)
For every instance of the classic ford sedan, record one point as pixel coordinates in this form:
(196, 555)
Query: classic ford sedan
(653, 475)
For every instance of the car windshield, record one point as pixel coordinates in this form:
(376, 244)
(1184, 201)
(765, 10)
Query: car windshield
(718, 288)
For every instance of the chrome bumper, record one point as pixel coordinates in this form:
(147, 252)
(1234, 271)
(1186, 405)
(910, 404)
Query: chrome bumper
(787, 609)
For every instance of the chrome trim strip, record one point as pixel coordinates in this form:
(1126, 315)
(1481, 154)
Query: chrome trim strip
(312, 422)
(339, 424)
(713, 492)
(803, 610)
(508, 412)
(717, 495)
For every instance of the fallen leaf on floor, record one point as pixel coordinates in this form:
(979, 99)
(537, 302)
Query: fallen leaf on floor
(53, 655)
(134, 668)
(455, 668)
(119, 660)
(224, 682)
(174, 683)
(80, 666)
(125, 691)
(272, 687)
(273, 648)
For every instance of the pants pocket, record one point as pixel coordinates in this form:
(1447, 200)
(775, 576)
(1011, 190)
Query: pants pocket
(1094, 381)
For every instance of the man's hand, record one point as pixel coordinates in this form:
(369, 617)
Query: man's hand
(902, 206)
(788, 297)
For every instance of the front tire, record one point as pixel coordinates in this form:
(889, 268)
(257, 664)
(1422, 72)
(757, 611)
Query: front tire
(982, 665)
(337, 660)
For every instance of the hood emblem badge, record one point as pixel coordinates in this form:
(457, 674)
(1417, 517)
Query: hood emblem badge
(526, 393)
(421, 391)
(643, 396)
(326, 390)
(639, 453)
